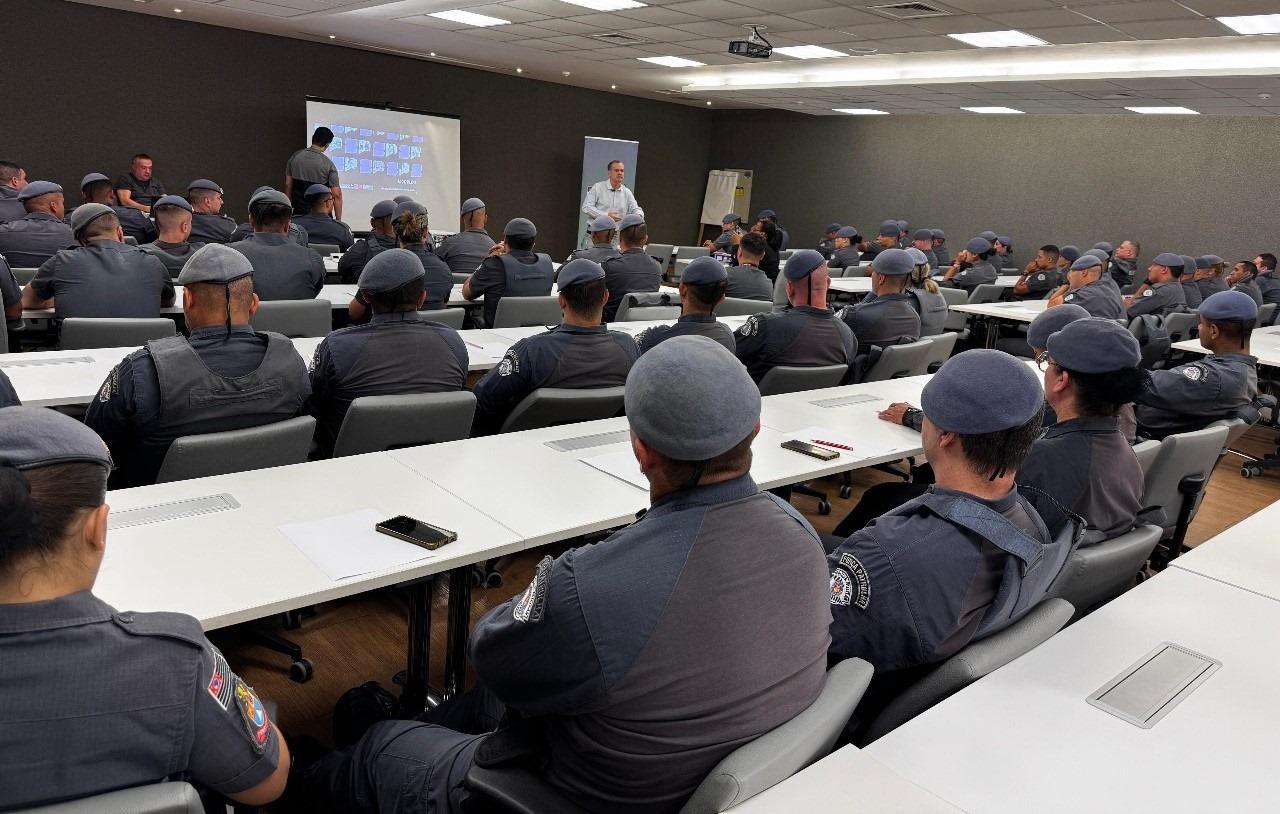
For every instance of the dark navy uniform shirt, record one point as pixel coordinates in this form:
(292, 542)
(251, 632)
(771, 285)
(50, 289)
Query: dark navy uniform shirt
(1194, 395)
(173, 255)
(282, 270)
(887, 319)
(352, 261)
(438, 281)
(1160, 299)
(465, 251)
(1191, 296)
(652, 655)
(1101, 299)
(972, 277)
(596, 254)
(943, 254)
(10, 207)
(10, 291)
(802, 336)
(490, 280)
(567, 356)
(104, 279)
(141, 192)
(844, 258)
(33, 239)
(296, 233)
(689, 325)
(211, 227)
(1210, 286)
(135, 224)
(324, 229)
(1251, 288)
(749, 283)
(1269, 285)
(932, 308)
(8, 396)
(96, 700)
(633, 271)
(1040, 283)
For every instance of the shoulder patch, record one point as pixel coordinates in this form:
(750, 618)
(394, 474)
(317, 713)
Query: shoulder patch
(1148, 292)
(1040, 277)
(533, 602)
(510, 363)
(850, 583)
(751, 326)
(1194, 372)
(253, 714)
(221, 682)
(111, 386)
(1069, 298)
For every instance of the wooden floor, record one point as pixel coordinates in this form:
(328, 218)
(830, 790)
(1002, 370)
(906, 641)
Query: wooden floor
(363, 638)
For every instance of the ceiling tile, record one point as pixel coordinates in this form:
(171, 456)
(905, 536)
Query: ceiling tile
(613, 22)
(1043, 18)
(570, 27)
(548, 45)
(714, 9)
(713, 29)
(884, 31)
(255, 7)
(1223, 8)
(816, 36)
(1071, 35)
(956, 24)
(656, 15)
(576, 42)
(662, 33)
(547, 8)
(1162, 83)
(911, 45)
(788, 6)
(1145, 10)
(1171, 29)
(992, 6)
(837, 17)
(508, 13)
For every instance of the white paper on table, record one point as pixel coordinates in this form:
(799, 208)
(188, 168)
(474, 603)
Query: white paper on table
(866, 445)
(345, 545)
(622, 465)
(494, 350)
(516, 334)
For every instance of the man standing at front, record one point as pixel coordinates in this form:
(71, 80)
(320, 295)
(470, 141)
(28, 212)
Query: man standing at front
(310, 166)
(611, 197)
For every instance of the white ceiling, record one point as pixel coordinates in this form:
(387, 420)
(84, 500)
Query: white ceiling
(556, 41)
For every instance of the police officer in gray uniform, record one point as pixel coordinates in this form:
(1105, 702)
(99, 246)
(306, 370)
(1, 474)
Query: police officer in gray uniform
(827, 246)
(632, 271)
(578, 353)
(12, 179)
(35, 237)
(585, 647)
(282, 270)
(319, 222)
(845, 253)
(601, 231)
(886, 316)
(807, 334)
(1242, 278)
(1266, 279)
(940, 249)
(226, 377)
(969, 556)
(382, 236)
(972, 267)
(730, 227)
(1087, 288)
(925, 297)
(208, 224)
(512, 268)
(96, 188)
(172, 246)
(411, 222)
(296, 233)
(464, 251)
(10, 294)
(1186, 278)
(1222, 385)
(922, 241)
(124, 699)
(1160, 294)
(396, 353)
(1083, 460)
(1210, 275)
(747, 281)
(702, 288)
(1041, 276)
(1002, 254)
(886, 238)
(104, 277)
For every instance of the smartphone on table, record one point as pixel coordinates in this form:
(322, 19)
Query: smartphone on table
(417, 532)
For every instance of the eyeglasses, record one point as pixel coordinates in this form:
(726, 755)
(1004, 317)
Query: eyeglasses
(1043, 361)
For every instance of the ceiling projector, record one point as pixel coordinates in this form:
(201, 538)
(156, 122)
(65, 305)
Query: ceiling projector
(754, 46)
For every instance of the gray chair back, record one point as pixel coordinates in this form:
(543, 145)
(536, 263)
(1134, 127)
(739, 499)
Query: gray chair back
(975, 660)
(24, 275)
(160, 798)
(781, 752)
(784, 379)
(379, 423)
(1180, 455)
(219, 453)
(956, 321)
(1146, 452)
(130, 240)
(737, 307)
(1148, 329)
(834, 272)
(857, 271)
(1098, 573)
(325, 249)
(294, 318)
(662, 253)
(1266, 314)
(527, 312)
(79, 334)
(1236, 427)
(459, 279)
(987, 292)
(941, 347)
(646, 306)
(785, 255)
(452, 317)
(1182, 326)
(690, 252)
(552, 406)
(780, 299)
(897, 361)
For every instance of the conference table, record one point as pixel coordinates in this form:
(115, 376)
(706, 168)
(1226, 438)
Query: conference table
(1247, 555)
(993, 313)
(1264, 343)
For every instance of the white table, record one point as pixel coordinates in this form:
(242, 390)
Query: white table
(993, 313)
(1264, 343)
(1024, 739)
(1247, 555)
(339, 295)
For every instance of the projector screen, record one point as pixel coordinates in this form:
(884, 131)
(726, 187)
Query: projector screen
(381, 153)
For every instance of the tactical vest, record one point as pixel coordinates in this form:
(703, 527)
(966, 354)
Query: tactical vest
(598, 254)
(527, 279)
(933, 311)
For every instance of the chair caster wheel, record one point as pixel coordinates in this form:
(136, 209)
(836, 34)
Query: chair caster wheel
(301, 671)
(493, 579)
(1245, 472)
(846, 492)
(824, 507)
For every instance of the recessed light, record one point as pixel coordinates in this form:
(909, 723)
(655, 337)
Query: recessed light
(613, 87)
(333, 36)
(673, 62)
(808, 52)
(433, 53)
(177, 11)
(605, 5)
(1253, 23)
(519, 70)
(564, 73)
(991, 110)
(1165, 111)
(997, 39)
(468, 18)
(860, 111)
(708, 104)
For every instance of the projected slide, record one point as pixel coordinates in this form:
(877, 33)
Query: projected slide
(383, 153)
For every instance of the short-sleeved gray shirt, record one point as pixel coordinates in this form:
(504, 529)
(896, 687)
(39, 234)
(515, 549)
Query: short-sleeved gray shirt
(104, 279)
(313, 167)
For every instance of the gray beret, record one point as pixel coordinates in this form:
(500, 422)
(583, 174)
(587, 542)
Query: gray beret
(1228, 305)
(260, 189)
(604, 223)
(889, 229)
(902, 225)
(1095, 346)
(1168, 260)
(204, 183)
(32, 437)
(704, 270)
(1098, 253)
(402, 198)
(1085, 262)
(520, 227)
(317, 189)
(1209, 261)
(1052, 320)
(1202, 262)
(832, 227)
(987, 235)
(982, 391)
(938, 234)
(979, 245)
(732, 217)
(471, 205)
(923, 234)
(1005, 241)
(412, 207)
(1070, 252)
(383, 209)
(847, 232)
(173, 200)
(1105, 246)
(767, 214)
(389, 269)
(1188, 266)
(691, 399)
(917, 256)
(86, 214)
(269, 196)
(583, 270)
(893, 263)
(215, 263)
(801, 264)
(93, 178)
(37, 188)
(630, 220)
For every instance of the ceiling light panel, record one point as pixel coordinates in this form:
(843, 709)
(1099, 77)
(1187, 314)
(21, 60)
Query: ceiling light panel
(1253, 23)
(860, 111)
(468, 18)
(809, 52)
(1165, 111)
(672, 62)
(998, 39)
(605, 5)
(990, 110)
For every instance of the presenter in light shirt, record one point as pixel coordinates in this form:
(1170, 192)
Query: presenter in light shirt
(611, 197)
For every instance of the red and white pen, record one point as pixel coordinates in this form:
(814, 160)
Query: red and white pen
(833, 445)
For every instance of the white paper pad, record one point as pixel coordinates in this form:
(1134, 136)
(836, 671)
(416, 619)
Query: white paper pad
(516, 334)
(622, 465)
(494, 350)
(346, 545)
(872, 445)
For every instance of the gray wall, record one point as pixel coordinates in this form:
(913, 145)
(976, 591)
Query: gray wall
(1193, 184)
(228, 105)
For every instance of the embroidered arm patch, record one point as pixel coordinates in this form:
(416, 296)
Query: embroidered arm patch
(533, 602)
(253, 714)
(221, 682)
(850, 583)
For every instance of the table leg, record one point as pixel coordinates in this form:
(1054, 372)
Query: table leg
(455, 657)
(419, 661)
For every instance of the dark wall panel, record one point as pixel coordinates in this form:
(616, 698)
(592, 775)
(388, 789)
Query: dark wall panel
(1192, 184)
(228, 105)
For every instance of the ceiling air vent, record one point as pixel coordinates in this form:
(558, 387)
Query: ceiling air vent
(618, 38)
(1120, 94)
(910, 11)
